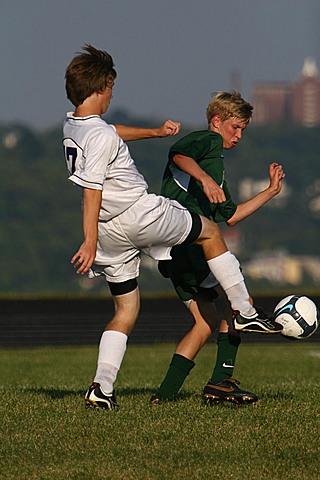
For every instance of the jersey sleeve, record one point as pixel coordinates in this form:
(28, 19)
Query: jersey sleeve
(100, 152)
(222, 212)
(192, 146)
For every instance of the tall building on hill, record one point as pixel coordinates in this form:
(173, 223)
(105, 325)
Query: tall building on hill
(298, 101)
(306, 96)
(271, 102)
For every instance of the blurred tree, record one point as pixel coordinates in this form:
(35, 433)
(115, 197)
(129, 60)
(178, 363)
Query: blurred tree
(40, 211)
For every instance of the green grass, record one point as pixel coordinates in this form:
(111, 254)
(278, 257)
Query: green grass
(46, 433)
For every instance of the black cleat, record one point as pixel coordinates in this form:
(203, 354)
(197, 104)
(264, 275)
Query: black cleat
(258, 323)
(95, 398)
(227, 391)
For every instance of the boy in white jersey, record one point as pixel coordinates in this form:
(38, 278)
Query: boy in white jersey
(120, 218)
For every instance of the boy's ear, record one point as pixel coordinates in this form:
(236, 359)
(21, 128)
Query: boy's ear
(215, 121)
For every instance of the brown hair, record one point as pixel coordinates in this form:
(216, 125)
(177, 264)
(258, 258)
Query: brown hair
(89, 73)
(228, 105)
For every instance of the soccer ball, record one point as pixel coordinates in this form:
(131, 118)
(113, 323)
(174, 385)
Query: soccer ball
(298, 315)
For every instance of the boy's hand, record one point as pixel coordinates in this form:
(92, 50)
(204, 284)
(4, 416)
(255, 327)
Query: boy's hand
(276, 175)
(84, 257)
(168, 128)
(212, 190)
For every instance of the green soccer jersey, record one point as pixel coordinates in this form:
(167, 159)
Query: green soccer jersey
(188, 267)
(205, 147)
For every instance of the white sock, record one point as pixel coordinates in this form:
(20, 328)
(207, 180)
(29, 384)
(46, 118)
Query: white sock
(112, 348)
(226, 270)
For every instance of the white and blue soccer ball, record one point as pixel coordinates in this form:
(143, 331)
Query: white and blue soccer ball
(298, 315)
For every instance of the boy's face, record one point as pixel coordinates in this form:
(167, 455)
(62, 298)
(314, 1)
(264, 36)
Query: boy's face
(230, 130)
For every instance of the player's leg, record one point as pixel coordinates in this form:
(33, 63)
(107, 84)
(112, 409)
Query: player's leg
(227, 343)
(226, 269)
(222, 386)
(113, 345)
(204, 313)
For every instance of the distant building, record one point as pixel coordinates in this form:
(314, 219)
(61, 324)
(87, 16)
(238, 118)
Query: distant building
(271, 102)
(306, 96)
(298, 102)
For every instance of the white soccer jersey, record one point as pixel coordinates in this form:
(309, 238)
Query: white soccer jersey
(97, 158)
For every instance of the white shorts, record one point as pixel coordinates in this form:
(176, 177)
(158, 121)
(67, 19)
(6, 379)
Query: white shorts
(154, 224)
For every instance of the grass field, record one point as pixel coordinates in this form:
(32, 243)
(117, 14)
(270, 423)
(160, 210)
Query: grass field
(46, 433)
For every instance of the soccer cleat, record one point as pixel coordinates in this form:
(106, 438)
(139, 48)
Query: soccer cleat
(95, 398)
(258, 323)
(227, 391)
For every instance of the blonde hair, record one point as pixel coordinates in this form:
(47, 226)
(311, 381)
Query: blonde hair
(228, 105)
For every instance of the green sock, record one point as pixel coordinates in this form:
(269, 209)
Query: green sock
(178, 371)
(226, 356)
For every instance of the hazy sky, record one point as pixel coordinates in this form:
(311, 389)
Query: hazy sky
(170, 55)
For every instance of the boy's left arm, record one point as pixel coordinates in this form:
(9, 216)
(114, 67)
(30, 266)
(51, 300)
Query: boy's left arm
(167, 129)
(214, 193)
(276, 176)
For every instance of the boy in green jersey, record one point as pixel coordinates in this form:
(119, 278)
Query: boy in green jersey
(195, 176)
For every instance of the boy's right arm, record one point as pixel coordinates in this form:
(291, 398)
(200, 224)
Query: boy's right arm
(168, 128)
(212, 190)
(84, 257)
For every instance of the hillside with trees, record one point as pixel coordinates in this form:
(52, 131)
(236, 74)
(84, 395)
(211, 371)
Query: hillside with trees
(41, 217)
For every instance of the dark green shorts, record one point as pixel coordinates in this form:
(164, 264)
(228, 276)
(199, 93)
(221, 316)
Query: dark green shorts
(187, 270)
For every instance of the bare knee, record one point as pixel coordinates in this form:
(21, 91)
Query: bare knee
(205, 315)
(127, 308)
(203, 331)
(210, 230)
(211, 239)
(205, 321)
